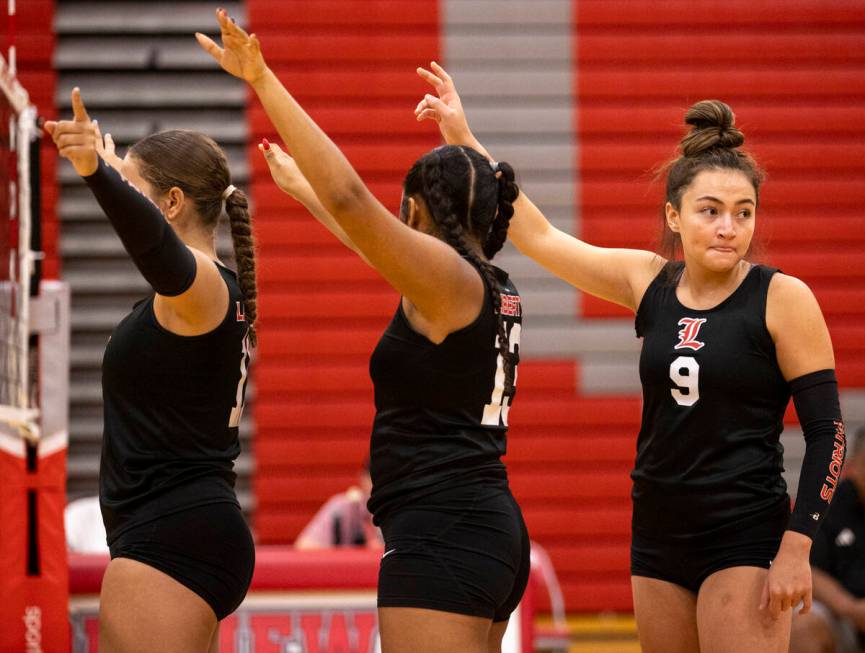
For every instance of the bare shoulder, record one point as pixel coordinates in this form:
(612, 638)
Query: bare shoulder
(796, 325)
(789, 296)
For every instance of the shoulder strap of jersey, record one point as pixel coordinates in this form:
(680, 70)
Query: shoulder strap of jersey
(667, 277)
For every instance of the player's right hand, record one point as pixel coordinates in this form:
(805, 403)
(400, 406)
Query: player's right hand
(76, 139)
(284, 171)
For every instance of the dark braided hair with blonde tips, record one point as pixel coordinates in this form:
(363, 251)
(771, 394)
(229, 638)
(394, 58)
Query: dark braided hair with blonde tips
(194, 163)
(466, 194)
(712, 144)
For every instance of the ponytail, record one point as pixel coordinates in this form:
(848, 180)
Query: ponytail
(237, 209)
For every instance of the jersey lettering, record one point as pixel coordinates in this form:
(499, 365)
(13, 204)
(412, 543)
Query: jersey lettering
(835, 464)
(496, 412)
(241, 313)
(685, 373)
(688, 334)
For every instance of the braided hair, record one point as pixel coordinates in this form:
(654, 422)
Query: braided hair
(467, 196)
(193, 162)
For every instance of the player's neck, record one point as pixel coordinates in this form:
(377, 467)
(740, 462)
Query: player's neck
(699, 282)
(204, 243)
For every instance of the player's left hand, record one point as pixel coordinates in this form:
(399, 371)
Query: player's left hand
(241, 52)
(789, 579)
(445, 108)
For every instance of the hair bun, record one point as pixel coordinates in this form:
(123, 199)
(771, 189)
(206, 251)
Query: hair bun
(713, 126)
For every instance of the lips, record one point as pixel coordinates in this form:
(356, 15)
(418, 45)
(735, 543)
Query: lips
(724, 250)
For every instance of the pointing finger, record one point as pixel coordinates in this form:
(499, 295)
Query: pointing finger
(78, 110)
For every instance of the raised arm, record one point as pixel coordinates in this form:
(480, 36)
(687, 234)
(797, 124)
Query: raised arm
(620, 276)
(185, 279)
(430, 273)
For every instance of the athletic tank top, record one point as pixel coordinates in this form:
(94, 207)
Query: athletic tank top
(172, 407)
(708, 452)
(442, 410)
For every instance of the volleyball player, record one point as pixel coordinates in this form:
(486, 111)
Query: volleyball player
(173, 383)
(725, 343)
(456, 556)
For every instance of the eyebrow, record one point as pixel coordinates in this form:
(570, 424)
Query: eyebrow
(747, 200)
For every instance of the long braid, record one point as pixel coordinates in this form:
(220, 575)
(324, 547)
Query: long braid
(442, 208)
(237, 209)
(508, 191)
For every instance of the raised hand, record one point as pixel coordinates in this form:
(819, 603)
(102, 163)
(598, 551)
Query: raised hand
(445, 107)
(241, 52)
(284, 171)
(76, 139)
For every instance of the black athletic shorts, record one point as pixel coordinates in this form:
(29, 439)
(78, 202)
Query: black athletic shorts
(208, 549)
(688, 562)
(463, 550)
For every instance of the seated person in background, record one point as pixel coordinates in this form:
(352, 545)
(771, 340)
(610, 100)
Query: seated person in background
(343, 520)
(836, 623)
(85, 532)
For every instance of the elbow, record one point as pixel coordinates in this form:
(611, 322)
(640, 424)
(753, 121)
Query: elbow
(346, 200)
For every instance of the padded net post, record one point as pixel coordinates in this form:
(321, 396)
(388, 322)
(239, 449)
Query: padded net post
(34, 368)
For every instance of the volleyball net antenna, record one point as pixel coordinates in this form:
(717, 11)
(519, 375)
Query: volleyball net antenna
(18, 394)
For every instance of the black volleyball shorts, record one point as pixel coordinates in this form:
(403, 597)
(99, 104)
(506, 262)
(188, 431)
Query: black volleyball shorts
(463, 550)
(690, 561)
(208, 549)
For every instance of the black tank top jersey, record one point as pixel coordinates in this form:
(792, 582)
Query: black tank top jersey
(172, 406)
(441, 410)
(708, 452)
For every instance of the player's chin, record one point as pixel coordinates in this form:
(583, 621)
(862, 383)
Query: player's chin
(722, 259)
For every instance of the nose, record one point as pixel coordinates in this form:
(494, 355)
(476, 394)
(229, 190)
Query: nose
(726, 226)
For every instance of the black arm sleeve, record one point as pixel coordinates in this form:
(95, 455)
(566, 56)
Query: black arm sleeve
(161, 257)
(815, 396)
